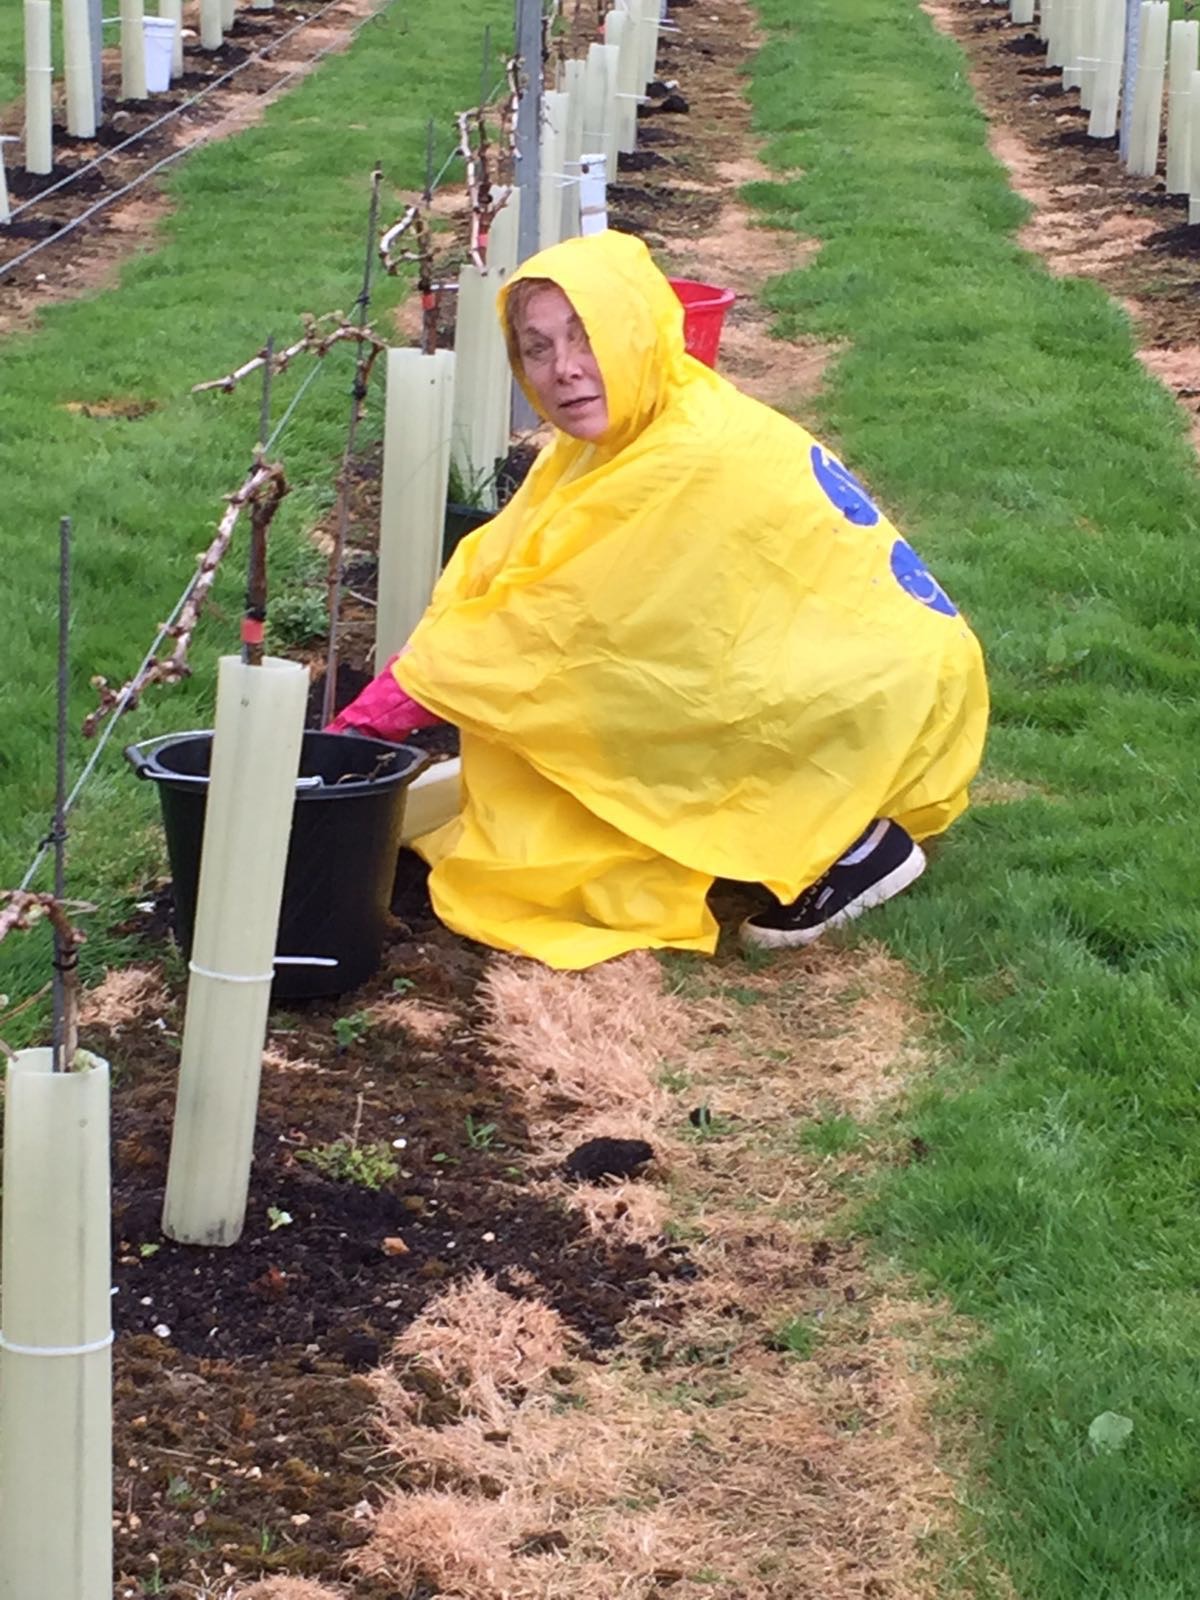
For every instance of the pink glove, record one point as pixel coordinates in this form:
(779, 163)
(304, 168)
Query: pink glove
(383, 710)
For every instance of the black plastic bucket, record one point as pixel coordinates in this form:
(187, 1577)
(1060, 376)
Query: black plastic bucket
(341, 861)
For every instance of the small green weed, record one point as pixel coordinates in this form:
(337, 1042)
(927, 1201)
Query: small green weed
(350, 1029)
(759, 960)
(403, 985)
(480, 1135)
(705, 1124)
(674, 1079)
(830, 1136)
(796, 1337)
(297, 619)
(369, 1166)
(742, 996)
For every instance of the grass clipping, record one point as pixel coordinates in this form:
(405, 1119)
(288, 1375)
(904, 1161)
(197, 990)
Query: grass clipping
(765, 1430)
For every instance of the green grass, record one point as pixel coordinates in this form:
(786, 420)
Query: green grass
(265, 226)
(1001, 417)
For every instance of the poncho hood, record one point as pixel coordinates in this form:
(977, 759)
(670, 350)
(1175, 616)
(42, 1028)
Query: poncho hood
(633, 320)
(694, 648)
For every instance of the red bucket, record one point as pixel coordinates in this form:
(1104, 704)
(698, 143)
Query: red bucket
(704, 308)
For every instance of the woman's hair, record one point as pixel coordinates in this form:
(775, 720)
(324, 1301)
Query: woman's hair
(518, 297)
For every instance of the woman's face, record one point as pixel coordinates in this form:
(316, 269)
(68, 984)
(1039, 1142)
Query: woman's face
(559, 364)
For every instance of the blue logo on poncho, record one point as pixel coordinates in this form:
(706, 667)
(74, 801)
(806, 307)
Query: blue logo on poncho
(843, 489)
(915, 578)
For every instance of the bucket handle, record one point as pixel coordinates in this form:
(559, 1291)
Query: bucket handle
(139, 760)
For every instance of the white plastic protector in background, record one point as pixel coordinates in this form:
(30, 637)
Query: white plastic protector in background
(39, 83)
(172, 10)
(211, 31)
(482, 410)
(1184, 59)
(1110, 48)
(416, 470)
(555, 111)
(133, 50)
(502, 247)
(573, 84)
(77, 69)
(1146, 122)
(1194, 164)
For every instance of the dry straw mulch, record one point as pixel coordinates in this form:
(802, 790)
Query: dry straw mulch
(765, 1429)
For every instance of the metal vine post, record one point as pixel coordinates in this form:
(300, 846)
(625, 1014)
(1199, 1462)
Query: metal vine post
(361, 374)
(65, 1036)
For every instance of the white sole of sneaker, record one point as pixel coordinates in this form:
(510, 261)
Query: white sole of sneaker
(898, 879)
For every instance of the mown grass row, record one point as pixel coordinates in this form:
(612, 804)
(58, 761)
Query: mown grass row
(1002, 417)
(264, 227)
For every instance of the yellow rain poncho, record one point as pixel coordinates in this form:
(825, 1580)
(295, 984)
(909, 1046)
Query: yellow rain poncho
(691, 649)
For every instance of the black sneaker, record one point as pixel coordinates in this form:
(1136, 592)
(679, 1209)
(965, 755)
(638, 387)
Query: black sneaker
(881, 863)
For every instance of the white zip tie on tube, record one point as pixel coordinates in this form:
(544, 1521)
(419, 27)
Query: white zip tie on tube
(228, 977)
(57, 1350)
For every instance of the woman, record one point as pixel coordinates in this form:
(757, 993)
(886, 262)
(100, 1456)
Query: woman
(690, 647)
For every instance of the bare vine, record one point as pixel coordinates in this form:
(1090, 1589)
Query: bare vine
(263, 489)
(413, 221)
(315, 342)
(21, 909)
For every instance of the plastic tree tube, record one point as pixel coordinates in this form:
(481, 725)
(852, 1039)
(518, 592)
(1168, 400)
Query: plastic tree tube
(551, 171)
(502, 241)
(482, 412)
(133, 50)
(1184, 61)
(212, 35)
(1089, 50)
(77, 63)
(1148, 89)
(573, 75)
(1022, 12)
(620, 33)
(600, 103)
(55, 1349)
(228, 12)
(651, 12)
(172, 10)
(416, 470)
(251, 793)
(1194, 163)
(39, 151)
(1110, 48)
(1056, 53)
(1045, 24)
(1072, 32)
